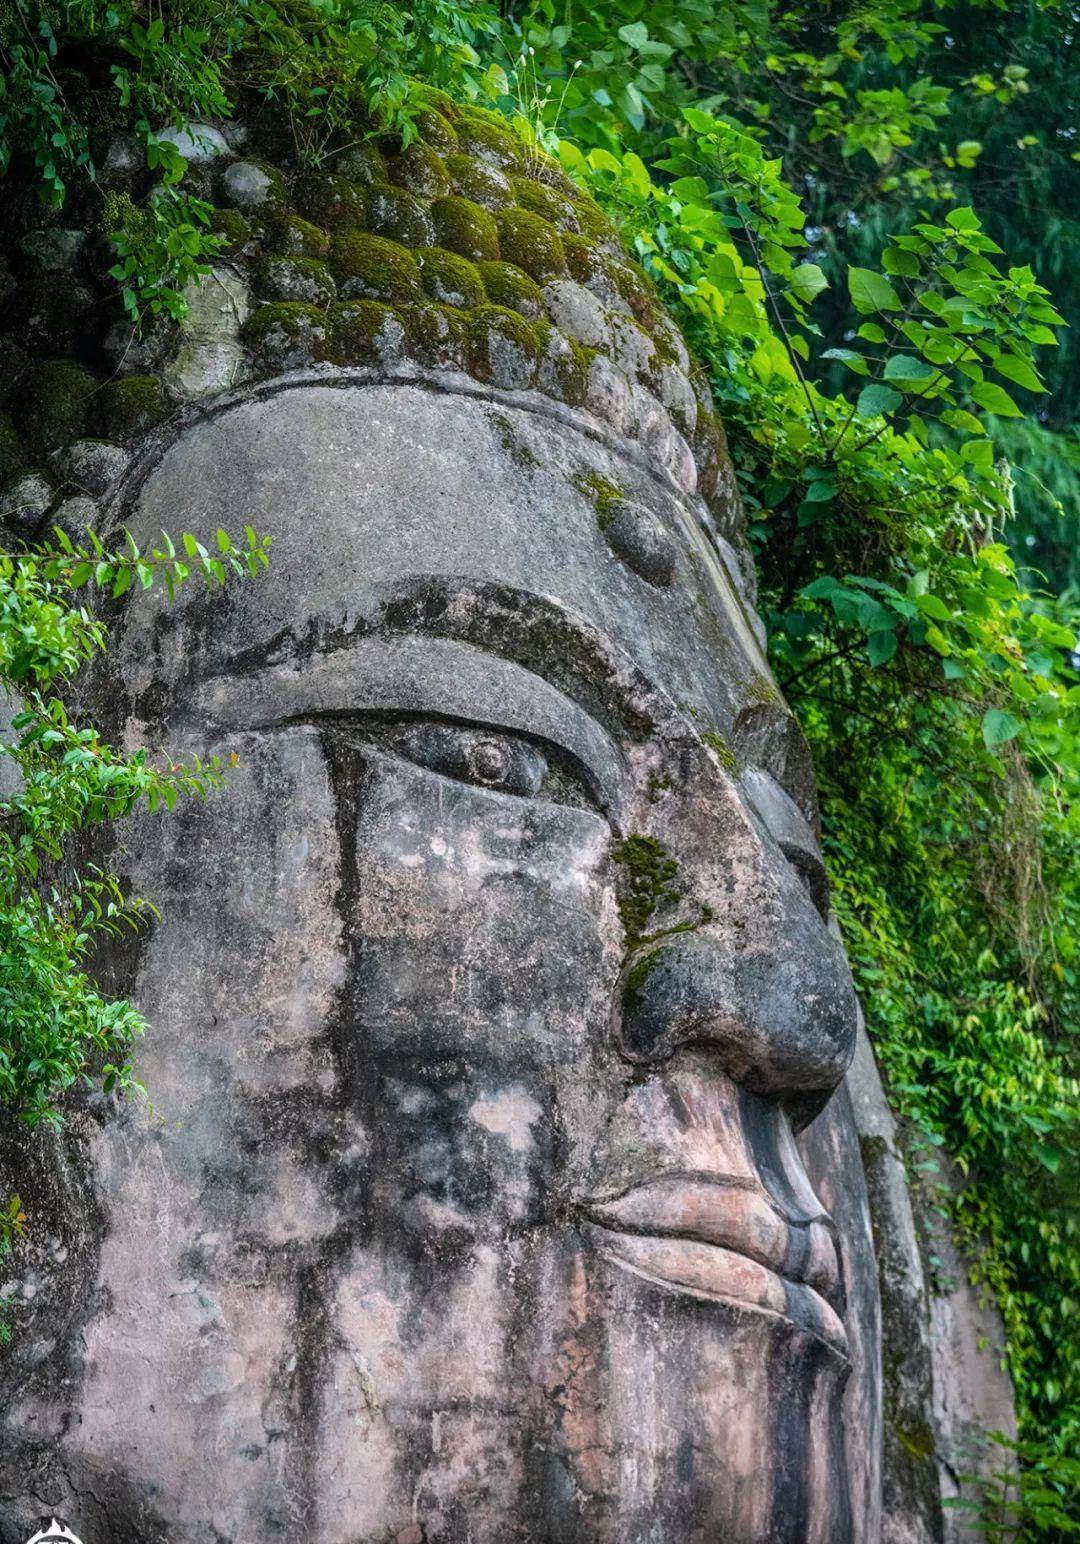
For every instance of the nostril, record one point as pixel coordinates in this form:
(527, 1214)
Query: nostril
(778, 1012)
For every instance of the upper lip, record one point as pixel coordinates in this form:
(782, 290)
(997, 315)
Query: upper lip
(724, 1238)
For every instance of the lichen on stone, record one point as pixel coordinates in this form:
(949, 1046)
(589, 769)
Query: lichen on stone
(437, 336)
(362, 163)
(363, 332)
(503, 347)
(450, 279)
(124, 409)
(399, 215)
(485, 185)
(285, 232)
(297, 278)
(420, 170)
(286, 335)
(488, 137)
(466, 228)
(512, 289)
(554, 207)
(371, 267)
(436, 130)
(531, 243)
(52, 403)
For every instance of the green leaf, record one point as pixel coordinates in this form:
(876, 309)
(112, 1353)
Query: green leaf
(905, 367)
(963, 220)
(877, 399)
(850, 358)
(896, 260)
(995, 399)
(807, 280)
(880, 647)
(998, 727)
(1018, 370)
(871, 291)
(635, 33)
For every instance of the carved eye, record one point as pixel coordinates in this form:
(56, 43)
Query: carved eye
(485, 758)
(504, 763)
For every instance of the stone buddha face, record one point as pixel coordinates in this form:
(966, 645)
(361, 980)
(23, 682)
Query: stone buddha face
(491, 998)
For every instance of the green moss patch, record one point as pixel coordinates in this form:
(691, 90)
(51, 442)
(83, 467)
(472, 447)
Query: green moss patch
(450, 279)
(720, 749)
(399, 215)
(488, 137)
(286, 334)
(291, 235)
(436, 130)
(420, 170)
(512, 289)
(550, 205)
(363, 332)
(646, 882)
(438, 336)
(503, 347)
(485, 185)
(126, 408)
(606, 496)
(363, 163)
(464, 227)
(434, 100)
(52, 403)
(332, 202)
(297, 278)
(531, 242)
(12, 458)
(372, 268)
(232, 227)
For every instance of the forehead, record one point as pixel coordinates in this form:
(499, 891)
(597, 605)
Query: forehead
(364, 487)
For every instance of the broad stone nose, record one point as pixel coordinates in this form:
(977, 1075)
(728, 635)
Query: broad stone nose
(770, 995)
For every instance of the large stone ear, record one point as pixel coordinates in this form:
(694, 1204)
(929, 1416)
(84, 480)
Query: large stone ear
(767, 735)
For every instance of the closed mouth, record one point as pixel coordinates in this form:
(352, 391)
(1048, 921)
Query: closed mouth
(723, 1240)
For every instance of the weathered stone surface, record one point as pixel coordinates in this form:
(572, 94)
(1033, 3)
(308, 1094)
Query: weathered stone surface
(25, 501)
(246, 185)
(470, 1202)
(53, 249)
(642, 542)
(76, 516)
(198, 143)
(91, 466)
(210, 357)
(502, 1183)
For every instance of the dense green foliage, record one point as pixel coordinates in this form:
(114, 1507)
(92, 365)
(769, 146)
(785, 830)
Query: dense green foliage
(852, 206)
(56, 1028)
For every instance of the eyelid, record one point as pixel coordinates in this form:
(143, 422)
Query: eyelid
(427, 677)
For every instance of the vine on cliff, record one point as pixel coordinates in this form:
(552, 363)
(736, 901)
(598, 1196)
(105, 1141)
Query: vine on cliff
(867, 361)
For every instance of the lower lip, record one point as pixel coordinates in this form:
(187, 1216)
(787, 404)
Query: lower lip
(718, 1275)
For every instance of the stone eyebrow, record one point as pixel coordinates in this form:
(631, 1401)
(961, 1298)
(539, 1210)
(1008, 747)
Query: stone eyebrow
(414, 675)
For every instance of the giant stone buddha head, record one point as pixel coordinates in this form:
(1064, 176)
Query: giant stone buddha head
(493, 995)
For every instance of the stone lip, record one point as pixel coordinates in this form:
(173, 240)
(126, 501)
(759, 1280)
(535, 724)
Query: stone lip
(727, 1277)
(738, 1242)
